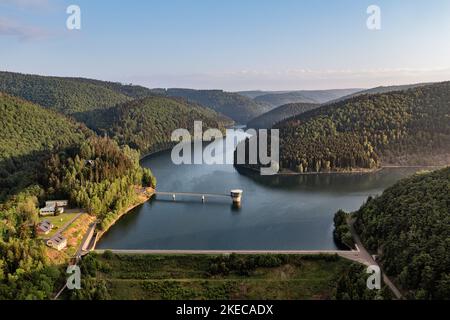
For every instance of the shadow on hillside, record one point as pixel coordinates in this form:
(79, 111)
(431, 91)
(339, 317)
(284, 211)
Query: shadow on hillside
(21, 172)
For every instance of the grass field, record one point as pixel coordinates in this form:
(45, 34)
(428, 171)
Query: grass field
(60, 220)
(194, 277)
(74, 233)
(57, 221)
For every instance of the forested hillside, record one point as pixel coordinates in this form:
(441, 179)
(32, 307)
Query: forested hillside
(44, 155)
(68, 95)
(278, 99)
(252, 94)
(77, 95)
(39, 147)
(28, 134)
(269, 119)
(147, 124)
(99, 176)
(24, 269)
(409, 226)
(303, 96)
(382, 89)
(130, 90)
(237, 107)
(95, 175)
(404, 128)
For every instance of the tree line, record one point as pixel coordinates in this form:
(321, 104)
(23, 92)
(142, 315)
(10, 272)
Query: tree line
(408, 128)
(147, 124)
(408, 226)
(239, 108)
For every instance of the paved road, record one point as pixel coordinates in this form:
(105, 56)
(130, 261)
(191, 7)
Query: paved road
(79, 252)
(412, 167)
(87, 238)
(365, 255)
(118, 251)
(61, 230)
(354, 255)
(60, 292)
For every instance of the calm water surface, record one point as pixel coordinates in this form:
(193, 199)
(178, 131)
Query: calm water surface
(282, 212)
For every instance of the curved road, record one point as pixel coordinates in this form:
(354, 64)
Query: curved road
(365, 255)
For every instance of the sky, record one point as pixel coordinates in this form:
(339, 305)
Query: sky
(230, 44)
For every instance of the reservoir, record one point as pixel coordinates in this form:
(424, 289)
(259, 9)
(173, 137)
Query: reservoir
(277, 212)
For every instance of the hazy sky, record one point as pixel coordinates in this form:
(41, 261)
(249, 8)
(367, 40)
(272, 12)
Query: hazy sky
(230, 44)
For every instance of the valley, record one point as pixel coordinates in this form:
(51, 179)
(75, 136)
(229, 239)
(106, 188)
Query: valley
(86, 141)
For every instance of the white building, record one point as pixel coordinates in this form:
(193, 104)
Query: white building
(47, 211)
(57, 203)
(58, 242)
(52, 207)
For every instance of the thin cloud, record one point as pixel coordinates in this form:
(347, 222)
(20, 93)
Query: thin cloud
(27, 3)
(308, 73)
(13, 28)
(294, 79)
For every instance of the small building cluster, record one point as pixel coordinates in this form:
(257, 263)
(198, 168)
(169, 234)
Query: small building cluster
(44, 227)
(53, 207)
(58, 242)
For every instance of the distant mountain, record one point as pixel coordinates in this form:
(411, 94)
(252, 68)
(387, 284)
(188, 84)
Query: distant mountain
(409, 127)
(268, 119)
(304, 96)
(119, 110)
(408, 227)
(237, 107)
(69, 95)
(382, 89)
(256, 93)
(147, 124)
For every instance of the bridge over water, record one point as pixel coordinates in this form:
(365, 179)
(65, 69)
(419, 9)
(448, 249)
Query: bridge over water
(235, 195)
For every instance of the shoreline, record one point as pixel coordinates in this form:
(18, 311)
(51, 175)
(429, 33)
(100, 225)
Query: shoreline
(354, 172)
(148, 194)
(153, 153)
(293, 173)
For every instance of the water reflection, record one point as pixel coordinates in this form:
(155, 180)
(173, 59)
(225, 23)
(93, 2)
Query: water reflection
(277, 212)
(328, 181)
